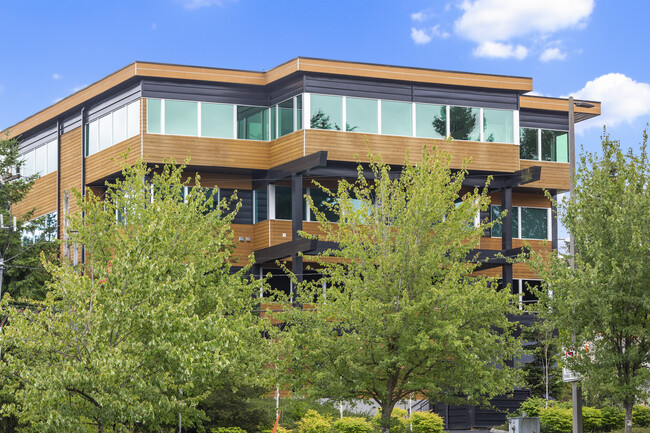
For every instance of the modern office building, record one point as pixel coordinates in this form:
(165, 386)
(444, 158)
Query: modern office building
(268, 134)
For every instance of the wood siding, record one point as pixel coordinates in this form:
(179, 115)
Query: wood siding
(343, 146)
(532, 199)
(242, 248)
(556, 104)
(70, 169)
(41, 197)
(555, 175)
(109, 161)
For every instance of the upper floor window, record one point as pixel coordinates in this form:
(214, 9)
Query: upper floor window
(41, 160)
(543, 145)
(527, 222)
(43, 228)
(113, 128)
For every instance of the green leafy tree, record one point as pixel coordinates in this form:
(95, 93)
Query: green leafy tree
(140, 331)
(603, 299)
(543, 375)
(401, 312)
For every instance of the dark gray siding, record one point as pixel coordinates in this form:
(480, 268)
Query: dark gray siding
(544, 119)
(37, 139)
(105, 106)
(465, 97)
(245, 214)
(71, 122)
(223, 93)
(286, 89)
(358, 88)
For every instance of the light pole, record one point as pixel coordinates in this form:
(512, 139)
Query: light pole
(576, 389)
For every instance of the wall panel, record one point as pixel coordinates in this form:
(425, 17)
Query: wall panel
(41, 198)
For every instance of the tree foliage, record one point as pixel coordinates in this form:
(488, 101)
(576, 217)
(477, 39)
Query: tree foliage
(402, 312)
(143, 328)
(604, 299)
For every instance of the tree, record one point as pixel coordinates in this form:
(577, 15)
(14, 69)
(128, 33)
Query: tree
(603, 299)
(140, 331)
(402, 312)
(23, 275)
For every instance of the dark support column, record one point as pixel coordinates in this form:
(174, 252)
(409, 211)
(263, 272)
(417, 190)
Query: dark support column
(296, 221)
(506, 232)
(554, 223)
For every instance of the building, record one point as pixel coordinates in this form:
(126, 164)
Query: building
(268, 134)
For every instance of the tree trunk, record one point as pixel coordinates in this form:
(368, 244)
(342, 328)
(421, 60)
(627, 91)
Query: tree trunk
(100, 427)
(628, 404)
(384, 421)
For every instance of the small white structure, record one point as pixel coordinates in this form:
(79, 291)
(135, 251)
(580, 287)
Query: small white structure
(523, 424)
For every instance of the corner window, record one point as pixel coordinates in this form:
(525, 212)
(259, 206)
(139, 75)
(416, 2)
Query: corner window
(555, 146)
(252, 123)
(41, 160)
(528, 143)
(115, 127)
(326, 112)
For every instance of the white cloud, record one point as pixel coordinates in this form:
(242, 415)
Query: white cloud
(552, 54)
(497, 50)
(56, 76)
(502, 20)
(623, 100)
(419, 16)
(196, 4)
(420, 36)
(436, 31)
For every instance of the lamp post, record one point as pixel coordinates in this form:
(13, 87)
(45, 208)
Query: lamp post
(576, 389)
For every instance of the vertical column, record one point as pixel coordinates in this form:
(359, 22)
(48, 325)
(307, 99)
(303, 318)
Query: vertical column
(296, 221)
(506, 232)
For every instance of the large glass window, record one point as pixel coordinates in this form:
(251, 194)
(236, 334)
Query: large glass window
(260, 203)
(181, 117)
(217, 120)
(283, 202)
(497, 230)
(321, 201)
(534, 223)
(154, 119)
(105, 132)
(555, 146)
(52, 156)
(285, 117)
(40, 157)
(252, 123)
(464, 123)
(119, 125)
(430, 121)
(326, 112)
(396, 118)
(498, 126)
(92, 138)
(361, 115)
(528, 143)
(133, 118)
(298, 112)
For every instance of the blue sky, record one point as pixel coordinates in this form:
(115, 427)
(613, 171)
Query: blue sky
(593, 49)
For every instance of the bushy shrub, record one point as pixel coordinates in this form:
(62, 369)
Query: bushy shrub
(532, 406)
(556, 420)
(352, 424)
(398, 421)
(641, 416)
(592, 419)
(227, 430)
(613, 418)
(280, 429)
(313, 422)
(426, 422)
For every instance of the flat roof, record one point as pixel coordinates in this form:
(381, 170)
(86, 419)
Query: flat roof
(299, 64)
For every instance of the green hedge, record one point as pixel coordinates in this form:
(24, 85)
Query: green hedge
(313, 422)
(426, 422)
(556, 420)
(613, 418)
(227, 430)
(641, 416)
(352, 424)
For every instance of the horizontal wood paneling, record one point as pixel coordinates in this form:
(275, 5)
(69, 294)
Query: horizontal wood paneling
(70, 168)
(41, 197)
(242, 248)
(214, 152)
(280, 231)
(221, 180)
(261, 235)
(532, 199)
(495, 244)
(556, 104)
(286, 148)
(342, 146)
(109, 161)
(555, 175)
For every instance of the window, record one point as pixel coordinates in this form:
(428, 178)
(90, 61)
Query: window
(252, 123)
(43, 228)
(396, 118)
(283, 206)
(285, 117)
(464, 123)
(216, 120)
(40, 161)
(543, 145)
(528, 143)
(260, 205)
(326, 112)
(498, 126)
(181, 118)
(154, 116)
(430, 121)
(555, 146)
(321, 201)
(114, 127)
(527, 222)
(361, 115)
